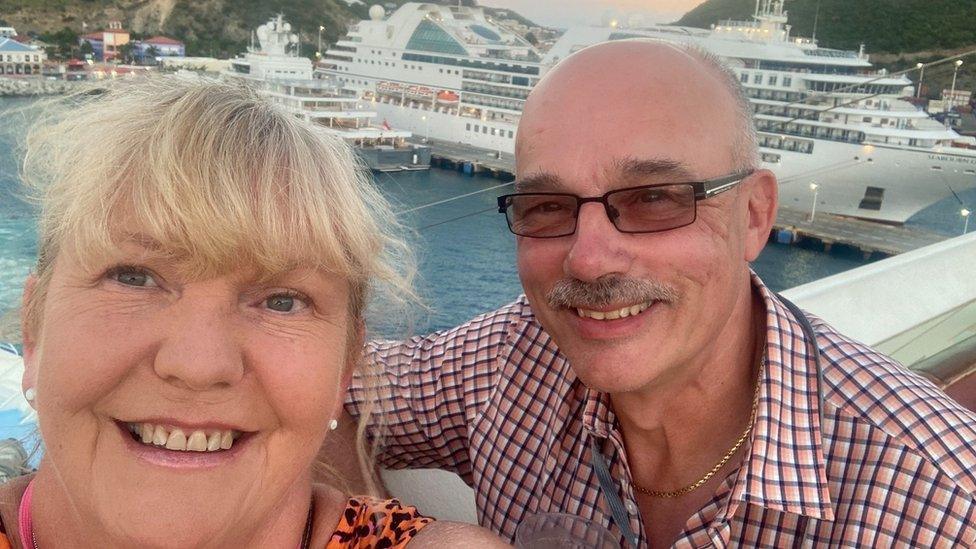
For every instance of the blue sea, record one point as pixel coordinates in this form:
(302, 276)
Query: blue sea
(466, 254)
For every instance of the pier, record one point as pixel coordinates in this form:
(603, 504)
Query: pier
(868, 237)
(792, 226)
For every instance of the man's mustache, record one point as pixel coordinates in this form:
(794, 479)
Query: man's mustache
(611, 290)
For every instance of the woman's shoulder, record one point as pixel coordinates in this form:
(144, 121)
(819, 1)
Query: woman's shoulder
(372, 522)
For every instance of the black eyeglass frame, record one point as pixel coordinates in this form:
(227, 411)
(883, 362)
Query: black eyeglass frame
(702, 189)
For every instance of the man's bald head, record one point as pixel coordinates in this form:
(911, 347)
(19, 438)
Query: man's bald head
(648, 73)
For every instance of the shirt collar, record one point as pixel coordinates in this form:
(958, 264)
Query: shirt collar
(786, 469)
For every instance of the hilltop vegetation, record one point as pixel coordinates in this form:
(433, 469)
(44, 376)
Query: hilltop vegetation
(892, 26)
(217, 28)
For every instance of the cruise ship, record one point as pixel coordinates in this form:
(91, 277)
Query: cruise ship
(273, 65)
(835, 130)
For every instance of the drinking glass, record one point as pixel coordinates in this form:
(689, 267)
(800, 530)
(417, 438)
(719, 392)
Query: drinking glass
(562, 531)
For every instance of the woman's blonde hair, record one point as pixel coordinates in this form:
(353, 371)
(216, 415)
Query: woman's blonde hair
(214, 173)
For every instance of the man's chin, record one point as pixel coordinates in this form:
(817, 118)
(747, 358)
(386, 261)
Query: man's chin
(610, 372)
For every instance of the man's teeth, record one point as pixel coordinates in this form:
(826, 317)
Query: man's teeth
(177, 439)
(623, 312)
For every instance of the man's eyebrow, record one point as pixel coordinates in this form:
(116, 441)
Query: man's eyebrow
(653, 167)
(539, 182)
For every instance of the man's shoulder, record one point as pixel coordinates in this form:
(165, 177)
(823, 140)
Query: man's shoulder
(482, 333)
(898, 409)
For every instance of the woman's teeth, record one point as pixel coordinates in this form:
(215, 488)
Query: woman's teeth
(632, 310)
(177, 439)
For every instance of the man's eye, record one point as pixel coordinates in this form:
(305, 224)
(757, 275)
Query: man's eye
(132, 276)
(286, 302)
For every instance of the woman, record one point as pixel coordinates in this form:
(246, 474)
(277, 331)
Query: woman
(195, 313)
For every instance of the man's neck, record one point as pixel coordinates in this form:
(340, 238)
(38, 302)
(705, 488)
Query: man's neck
(677, 429)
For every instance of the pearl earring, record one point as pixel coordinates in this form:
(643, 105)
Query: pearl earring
(30, 393)
(333, 425)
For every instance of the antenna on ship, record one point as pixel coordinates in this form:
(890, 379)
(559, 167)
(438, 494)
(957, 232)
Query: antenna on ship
(816, 18)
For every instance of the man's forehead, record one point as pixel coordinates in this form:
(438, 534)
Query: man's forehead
(616, 172)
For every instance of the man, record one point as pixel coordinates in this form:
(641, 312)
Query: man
(645, 343)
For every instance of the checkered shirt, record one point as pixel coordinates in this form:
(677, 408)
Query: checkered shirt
(885, 460)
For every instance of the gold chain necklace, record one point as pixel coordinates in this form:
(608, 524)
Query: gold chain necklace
(725, 459)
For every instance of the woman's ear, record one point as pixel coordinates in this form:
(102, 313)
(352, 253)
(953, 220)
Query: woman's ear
(28, 329)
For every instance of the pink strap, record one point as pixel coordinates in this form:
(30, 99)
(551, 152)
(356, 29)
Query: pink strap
(24, 517)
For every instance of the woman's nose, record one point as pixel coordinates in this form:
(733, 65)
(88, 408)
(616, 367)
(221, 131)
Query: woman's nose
(201, 349)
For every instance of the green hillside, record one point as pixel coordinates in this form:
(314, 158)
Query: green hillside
(219, 28)
(892, 26)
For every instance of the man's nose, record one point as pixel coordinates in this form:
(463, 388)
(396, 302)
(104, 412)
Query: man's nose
(201, 350)
(598, 247)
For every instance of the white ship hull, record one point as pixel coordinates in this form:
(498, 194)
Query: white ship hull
(910, 179)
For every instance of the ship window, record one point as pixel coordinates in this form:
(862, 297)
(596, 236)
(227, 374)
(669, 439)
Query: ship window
(937, 168)
(484, 130)
(485, 32)
(476, 127)
(511, 135)
(757, 78)
(873, 196)
(467, 126)
(971, 172)
(430, 37)
(744, 78)
(787, 81)
(772, 80)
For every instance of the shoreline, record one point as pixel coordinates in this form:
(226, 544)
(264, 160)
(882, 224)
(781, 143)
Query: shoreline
(28, 87)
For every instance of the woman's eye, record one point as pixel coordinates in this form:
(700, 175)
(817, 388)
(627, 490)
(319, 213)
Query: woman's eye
(132, 277)
(285, 303)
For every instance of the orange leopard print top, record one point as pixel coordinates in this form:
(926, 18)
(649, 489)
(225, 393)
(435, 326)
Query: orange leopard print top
(369, 523)
(366, 523)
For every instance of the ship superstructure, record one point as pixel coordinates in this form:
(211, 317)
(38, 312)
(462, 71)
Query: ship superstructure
(834, 129)
(273, 65)
(446, 72)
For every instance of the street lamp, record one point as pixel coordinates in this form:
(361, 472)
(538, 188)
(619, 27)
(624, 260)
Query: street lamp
(965, 213)
(952, 91)
(426, 128)
(921, 75)
(318, 53)
(813, 209)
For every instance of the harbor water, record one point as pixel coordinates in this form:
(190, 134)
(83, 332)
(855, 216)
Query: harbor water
(466, 254)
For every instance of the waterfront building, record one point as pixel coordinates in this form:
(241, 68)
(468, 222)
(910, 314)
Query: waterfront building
(20, 59)
(149, 50)
(106, 44)
(7, 32)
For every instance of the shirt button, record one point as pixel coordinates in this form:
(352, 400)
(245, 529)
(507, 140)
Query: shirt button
(631, 507)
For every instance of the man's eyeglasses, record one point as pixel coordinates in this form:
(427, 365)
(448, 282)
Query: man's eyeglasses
(644, 209)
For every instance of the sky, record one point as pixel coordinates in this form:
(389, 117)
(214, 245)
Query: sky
(564, 13)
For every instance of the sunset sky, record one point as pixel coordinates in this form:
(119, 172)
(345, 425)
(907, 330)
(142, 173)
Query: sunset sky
(572, 12)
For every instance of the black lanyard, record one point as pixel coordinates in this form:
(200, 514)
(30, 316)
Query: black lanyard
(607, 485)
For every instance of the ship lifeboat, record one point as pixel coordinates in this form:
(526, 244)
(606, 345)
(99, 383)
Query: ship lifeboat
(420, 92)
(447, 97)
(389, 87)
